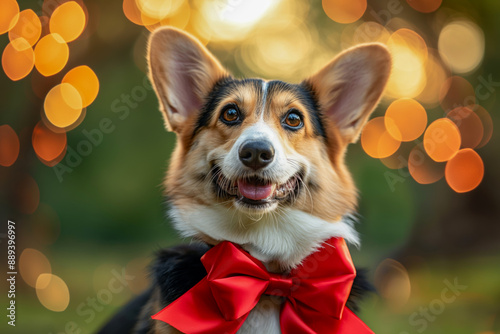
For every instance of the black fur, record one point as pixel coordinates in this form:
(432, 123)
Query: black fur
(311, 102)
(224, 86)
(221, 90)
(360, 288)
(178, 269)
(304, 96)
(174, 272)
(128, 317)
(218, 92)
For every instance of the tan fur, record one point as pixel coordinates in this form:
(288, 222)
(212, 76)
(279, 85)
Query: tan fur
(335, 196)
(187, 180)
(347, 90)
(204, 68)
(334, 81)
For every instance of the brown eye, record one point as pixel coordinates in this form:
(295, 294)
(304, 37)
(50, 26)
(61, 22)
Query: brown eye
(230, 115)
(293, 120)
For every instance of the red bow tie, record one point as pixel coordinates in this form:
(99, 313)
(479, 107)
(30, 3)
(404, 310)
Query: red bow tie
(315, 293)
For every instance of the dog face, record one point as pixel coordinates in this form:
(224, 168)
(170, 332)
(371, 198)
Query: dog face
(252, 150)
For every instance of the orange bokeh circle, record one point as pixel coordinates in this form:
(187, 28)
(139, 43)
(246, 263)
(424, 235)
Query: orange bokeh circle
(465, 171)
(442, 140)
(405, 119)
(376, 140)
(344, 11)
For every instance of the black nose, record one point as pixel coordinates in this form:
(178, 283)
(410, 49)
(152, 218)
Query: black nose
(256, 154)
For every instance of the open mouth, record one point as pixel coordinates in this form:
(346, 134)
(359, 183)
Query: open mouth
(255, 191)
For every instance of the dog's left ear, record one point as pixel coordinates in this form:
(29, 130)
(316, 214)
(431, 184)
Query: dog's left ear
(350, 86)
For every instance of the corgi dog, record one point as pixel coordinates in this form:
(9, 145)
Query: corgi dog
(259, 163)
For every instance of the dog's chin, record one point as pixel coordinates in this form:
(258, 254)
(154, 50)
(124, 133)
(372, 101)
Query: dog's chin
(256, 195)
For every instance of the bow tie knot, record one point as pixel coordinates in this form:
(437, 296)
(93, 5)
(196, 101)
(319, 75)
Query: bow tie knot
(280, 285)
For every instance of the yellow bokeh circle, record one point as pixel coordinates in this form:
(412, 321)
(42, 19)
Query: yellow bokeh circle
(28, 27)
(68, 20)
(63, 105)
(9, 15)
(51, 54)
(85, 81)
(33, 263)
(52, 292)
(18, 59)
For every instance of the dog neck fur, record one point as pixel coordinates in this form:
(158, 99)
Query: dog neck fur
(286, 238)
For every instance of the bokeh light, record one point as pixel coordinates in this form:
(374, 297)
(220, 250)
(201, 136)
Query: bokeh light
(270, 53)
(68, 21)
(18, 59)
(9, 146)
(465, 171)
(49, 146)
(442, 140)
(455, 92)
(28, 27)
(405, 119)
(85, 81)
(487, 122)
(147, 20)
(398, 159)
(436, 75)
(158, 9)
(393, 282)
(376, 140)
(49, 6)
(32, 263)
(155, 13)
(63, 105)
(197, 27)
(411, 40)
(52, 292)
(461, 45)
(344, 11)
(178, 19)
(469, 124)
(231, 20)
(422, 168)
(409, 55)
(26, 195)
(51, 54)
(368, 32)
(132, 12)
(8, 15)
(425, 6)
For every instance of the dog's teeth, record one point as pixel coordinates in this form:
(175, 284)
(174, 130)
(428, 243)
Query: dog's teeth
(280, 193)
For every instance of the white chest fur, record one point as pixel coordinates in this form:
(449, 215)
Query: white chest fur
(264, 318)
(287, 239)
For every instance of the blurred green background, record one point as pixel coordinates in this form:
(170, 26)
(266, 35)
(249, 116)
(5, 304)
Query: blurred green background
(105, 217)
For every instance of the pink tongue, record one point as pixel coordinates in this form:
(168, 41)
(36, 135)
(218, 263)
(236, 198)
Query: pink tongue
(254, 192)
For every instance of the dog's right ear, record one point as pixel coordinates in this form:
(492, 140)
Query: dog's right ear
(183, 73)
